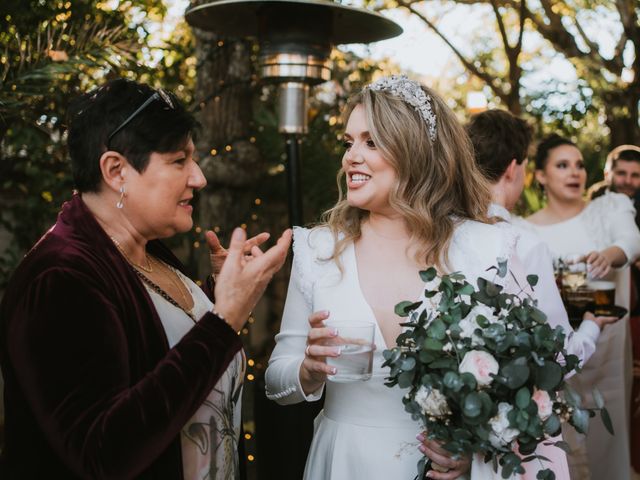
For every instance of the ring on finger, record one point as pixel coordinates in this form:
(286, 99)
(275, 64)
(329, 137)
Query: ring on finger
(306, 351)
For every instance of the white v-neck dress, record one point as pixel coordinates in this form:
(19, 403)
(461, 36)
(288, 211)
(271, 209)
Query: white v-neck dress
(363, 431)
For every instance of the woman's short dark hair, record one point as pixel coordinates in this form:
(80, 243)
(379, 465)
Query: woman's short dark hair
(162, 126)
(546, 145)
(498, 137)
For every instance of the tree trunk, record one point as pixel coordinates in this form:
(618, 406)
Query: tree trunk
(621, 107)
(230, 160)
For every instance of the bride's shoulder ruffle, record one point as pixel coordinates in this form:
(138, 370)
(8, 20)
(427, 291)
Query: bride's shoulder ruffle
(312, 248)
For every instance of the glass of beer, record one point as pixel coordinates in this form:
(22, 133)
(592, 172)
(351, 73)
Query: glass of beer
(604, 293)
(356, 342)
(574, 273)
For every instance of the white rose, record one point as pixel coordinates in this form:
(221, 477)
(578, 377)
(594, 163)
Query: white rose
(501, 434)
(481, 365)
(545, 405)
(467, 330)
(432, 401)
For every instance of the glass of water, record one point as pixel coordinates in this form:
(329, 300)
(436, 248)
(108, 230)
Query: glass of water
(356, 342)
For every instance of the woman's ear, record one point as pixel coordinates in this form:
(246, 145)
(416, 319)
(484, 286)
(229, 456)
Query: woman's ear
(113, 167)
(540, 177)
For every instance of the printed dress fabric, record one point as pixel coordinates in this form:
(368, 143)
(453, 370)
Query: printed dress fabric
(210, 437)
(606, 221)
(363, 431)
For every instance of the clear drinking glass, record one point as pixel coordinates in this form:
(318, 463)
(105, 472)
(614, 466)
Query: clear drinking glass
(574, 274)
(356, 342)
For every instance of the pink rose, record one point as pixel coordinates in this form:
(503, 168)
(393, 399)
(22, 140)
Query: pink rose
(545, 405)
(481, 365)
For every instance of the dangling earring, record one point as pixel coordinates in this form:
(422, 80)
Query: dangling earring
(120, 202)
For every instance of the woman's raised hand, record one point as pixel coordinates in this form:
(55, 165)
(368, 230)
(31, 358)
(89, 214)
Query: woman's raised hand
(218, 254)
(241, 283)
(314, 368)
(598, 263)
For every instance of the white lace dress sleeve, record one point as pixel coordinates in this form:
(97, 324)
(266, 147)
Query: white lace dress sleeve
(282, 376)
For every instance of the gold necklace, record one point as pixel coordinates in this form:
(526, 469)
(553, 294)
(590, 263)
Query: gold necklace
(148, 268)
(154, 286)
(179, 284)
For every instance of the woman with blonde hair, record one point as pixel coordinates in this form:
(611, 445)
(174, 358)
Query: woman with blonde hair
(414, 198)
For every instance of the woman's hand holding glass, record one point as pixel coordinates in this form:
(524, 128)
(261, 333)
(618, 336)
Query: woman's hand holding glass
(314, 368)
(241, 283)
(598, 264)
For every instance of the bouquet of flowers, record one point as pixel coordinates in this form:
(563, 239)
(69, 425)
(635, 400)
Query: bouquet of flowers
(485, 371)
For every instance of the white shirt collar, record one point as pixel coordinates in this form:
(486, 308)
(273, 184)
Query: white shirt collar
(496, 210)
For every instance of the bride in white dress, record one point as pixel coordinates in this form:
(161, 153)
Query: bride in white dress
(414, 198)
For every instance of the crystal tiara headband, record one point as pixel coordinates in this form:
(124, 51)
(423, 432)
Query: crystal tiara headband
(410, 92)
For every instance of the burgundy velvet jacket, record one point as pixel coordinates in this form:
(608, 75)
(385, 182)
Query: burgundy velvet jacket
(92, 389)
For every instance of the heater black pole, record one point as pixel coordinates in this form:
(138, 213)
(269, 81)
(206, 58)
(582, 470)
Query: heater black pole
(294, 180)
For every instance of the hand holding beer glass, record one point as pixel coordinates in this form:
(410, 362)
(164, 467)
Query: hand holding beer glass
(581, 293)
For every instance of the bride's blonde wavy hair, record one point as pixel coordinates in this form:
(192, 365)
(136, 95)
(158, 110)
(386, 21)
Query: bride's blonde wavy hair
(439, 183)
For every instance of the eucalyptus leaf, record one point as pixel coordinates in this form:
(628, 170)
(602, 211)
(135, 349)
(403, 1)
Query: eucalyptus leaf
(502, 268)
(467, 289)
(552, 424)
(516, 373)
(452, 380)
(492, 289)
(546, 474)
(472, 405)
(532, 280)
(548, 376)
(572, 397)
(598, 398)
(403, 309)
(408, 363)
(469, 380)
(562, 445)
(444, 363)
(437, 329)
(538, 315)
(432, 344)
(482, 321)
(606, 420)
(580, 420)
(523, 398)
(428, 274)
(405, 379)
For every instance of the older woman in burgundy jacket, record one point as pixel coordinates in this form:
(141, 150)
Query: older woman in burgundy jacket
(108, 351)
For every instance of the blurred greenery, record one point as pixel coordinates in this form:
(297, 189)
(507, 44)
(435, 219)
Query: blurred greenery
(51, 50)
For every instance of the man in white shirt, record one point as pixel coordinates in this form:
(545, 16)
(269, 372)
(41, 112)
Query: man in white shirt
(501, 143)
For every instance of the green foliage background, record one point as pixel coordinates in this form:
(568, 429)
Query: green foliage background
(51, 50)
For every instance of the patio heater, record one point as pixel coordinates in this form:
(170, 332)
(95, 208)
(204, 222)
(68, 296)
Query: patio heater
(295, 37)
